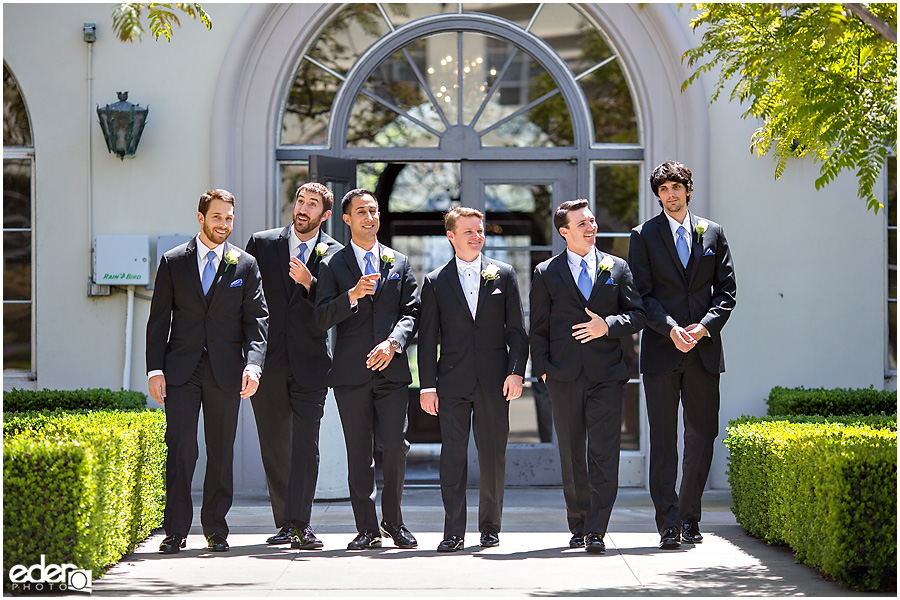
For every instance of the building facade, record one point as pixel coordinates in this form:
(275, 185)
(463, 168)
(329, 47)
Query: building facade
(508, 107)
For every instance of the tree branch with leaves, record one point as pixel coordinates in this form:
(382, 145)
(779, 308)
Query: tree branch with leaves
(161, 17)
(822, 78)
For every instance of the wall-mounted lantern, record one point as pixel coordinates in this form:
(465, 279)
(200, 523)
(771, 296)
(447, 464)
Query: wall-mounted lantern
(122, 124)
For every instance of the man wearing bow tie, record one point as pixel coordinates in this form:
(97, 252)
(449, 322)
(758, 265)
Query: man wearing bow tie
(206, 343)
(369, 292)
(683, 269)
(291, 398)
(583, 303)
(471, 307)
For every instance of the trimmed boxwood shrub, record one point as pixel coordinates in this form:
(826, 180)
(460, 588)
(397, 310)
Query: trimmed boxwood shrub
(91, 399)
(81, 488)
(827, 488)
(827, 402)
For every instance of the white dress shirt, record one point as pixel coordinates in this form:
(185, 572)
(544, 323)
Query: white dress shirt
(469, 279)
(674, 225)
(294, 244)
(574, 261)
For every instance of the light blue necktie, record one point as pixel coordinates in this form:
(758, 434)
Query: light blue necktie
(301, 254)
(209, 272)
(681, 247)
(584, 280)
(370, 266)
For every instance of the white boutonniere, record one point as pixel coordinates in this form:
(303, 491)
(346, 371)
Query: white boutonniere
(605, 265)
(321, 249)
(490, 273)
(387, 257)
(232, 256)
(700, 228)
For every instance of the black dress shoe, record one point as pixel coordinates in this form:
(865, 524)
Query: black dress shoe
(305, 539)
(577, 541)
(593, 543)
(400, 534)
(670, 540)
(690, 533)
(282, 537)
(454, 543)
(216, 543)
(365, 540)
(489, 539)
(172, 544)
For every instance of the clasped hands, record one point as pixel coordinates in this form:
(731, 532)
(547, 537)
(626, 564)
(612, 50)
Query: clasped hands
(685, 338)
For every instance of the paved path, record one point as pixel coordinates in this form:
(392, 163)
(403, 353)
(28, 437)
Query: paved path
(533, 558)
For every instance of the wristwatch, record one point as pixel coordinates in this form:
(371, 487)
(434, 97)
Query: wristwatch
(395, 345)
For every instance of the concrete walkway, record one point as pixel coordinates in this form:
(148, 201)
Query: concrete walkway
(533, 558)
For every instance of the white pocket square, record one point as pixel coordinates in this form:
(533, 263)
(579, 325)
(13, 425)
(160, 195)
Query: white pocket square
(496, 291)
(709, 251)
(236, 282)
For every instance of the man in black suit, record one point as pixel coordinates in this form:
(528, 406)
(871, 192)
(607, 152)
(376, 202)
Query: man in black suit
(291, 398)
(583, 303)
(206, 343)
(682, 267)
(471, 307)
(368, 290)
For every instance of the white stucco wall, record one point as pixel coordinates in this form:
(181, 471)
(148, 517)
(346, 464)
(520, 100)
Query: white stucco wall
(798, 321)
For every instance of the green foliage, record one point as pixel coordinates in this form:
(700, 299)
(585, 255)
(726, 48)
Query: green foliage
(823, 82)
(128, 26)
(90, 399)
(826, 488)
(825, 402)
(81, 488)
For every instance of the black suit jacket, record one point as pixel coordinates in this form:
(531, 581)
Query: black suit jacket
(557, 305)
(293, 334)
(486, 348)
(231, 321)
(703, 293)
(392, 312)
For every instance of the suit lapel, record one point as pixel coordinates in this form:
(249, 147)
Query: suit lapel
(283, 248)
(484, 287)
(665, 235)
(451, 275)
(696, 249)
(220, 274)
(561, 265)
(190, 255)
(384, 268)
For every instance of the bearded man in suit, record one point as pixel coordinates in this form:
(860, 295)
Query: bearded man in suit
(682, 266)
(291, 399)
(471, 307)
(369, 292)
(206, 344)
(583, 303)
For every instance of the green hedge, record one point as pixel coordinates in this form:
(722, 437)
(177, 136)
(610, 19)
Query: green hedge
(81, 488)
(827, 402)
(827, 488)
(91, 399)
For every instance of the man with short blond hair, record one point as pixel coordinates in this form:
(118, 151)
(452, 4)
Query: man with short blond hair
(472, 308)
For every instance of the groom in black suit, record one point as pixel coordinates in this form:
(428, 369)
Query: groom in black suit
(583, 302)
(291, 398)
(206, 343)
(368, 290)
(471, 307)
(682, 267)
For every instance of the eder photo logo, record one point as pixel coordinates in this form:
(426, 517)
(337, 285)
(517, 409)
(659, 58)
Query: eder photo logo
(42, 577)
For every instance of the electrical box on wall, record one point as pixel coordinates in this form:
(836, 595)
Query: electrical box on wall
(122, 260)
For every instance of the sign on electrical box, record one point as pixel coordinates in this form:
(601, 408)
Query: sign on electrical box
(122, 260)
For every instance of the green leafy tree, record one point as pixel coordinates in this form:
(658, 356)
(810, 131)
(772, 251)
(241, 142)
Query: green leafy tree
(161, 17)
(822, 78)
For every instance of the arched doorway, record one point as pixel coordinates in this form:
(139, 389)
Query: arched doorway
(522, 129)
